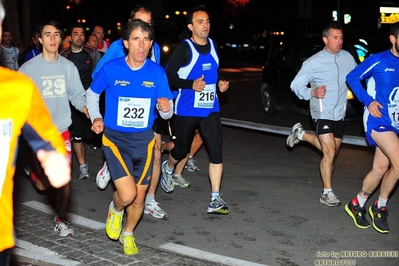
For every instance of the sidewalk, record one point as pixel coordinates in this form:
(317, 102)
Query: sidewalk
(38, 245)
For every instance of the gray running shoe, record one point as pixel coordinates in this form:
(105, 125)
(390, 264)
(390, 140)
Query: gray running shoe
(166, 179)
(191, 165)
(180, 181)
(84, 172)
(292, 138)
(218, 206)
(330, 199)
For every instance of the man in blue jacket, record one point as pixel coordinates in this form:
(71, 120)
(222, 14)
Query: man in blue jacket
(326, 72)
(381, 127)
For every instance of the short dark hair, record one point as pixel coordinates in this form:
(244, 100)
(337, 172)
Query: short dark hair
(51, 22)
(139, 8)
(190, 13)
(394, 30)
(135, 24)
(328, 27)
(76, 25)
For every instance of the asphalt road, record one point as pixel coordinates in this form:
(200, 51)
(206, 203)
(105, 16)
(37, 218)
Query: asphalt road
(273, 191)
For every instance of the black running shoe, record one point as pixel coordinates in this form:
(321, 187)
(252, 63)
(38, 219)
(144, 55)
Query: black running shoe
(358, 214)
(379, 216)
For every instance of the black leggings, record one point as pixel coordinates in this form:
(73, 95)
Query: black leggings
(210, 128)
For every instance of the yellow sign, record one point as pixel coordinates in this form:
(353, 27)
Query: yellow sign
(389, 15)
(392, 18)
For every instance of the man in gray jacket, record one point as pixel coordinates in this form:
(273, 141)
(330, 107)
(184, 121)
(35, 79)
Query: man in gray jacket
(326, 73)
(59, 83)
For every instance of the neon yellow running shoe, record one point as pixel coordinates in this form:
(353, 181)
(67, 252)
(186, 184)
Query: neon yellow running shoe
(129, 246)
(113, 226)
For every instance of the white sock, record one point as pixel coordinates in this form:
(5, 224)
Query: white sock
(382, 202)
(115, 211)
(361, 201)
(168, 170)
(149, 198)
(326, 190)
(300, 135)
(214, 194)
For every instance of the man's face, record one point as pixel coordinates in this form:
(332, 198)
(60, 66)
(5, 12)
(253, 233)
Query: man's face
(77, 38)
(7, 38)
(201, 25)
(333, 41)
(139, 44)
(99, 32)
(50, 39)
(146, 17)
(93, 41)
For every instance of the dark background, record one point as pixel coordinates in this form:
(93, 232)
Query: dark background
(251, 19)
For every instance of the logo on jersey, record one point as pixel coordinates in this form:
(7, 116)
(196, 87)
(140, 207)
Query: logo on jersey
(207, 66)
(389, 69)
(122, 83)
(394, 95)
(148, 84)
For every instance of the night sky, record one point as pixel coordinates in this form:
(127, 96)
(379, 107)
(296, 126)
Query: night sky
(248, 20)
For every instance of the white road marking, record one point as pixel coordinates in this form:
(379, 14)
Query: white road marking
(77, 219)
(73, 218)
(196, 253)
(29, 250)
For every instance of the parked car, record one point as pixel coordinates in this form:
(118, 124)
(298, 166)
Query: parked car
(284, 63)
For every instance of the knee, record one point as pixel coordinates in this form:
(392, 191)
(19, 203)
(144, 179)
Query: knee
(177, 155)
(216, 158)
(127, 197)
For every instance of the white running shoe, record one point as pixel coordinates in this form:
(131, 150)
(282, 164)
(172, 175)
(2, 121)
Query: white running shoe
(103, 177)
(61, 227)
(154, 209)
(292, 138)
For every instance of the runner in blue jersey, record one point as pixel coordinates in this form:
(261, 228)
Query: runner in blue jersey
(134, 87)
(193, 69)
(116, 50)
(381, 125)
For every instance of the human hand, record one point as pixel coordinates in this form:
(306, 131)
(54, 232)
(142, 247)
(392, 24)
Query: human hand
(374, 109)
(56, 167)
(163, 104)
(319, 92)
(98, 125)
(199, 84)
(223, 85)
